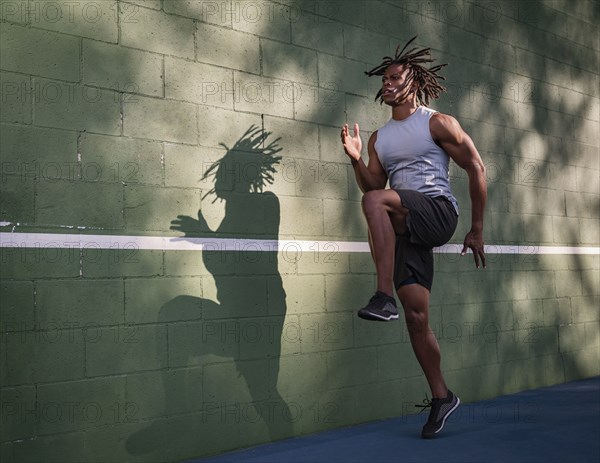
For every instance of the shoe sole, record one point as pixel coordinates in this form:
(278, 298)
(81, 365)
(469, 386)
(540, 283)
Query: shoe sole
(429, 436)
(378, 318)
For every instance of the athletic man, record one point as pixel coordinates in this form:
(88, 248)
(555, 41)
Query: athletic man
(418, 212)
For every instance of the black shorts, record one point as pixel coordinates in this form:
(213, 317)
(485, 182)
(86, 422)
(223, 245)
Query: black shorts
(430, 222)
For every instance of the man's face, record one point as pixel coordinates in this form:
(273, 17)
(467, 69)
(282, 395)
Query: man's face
(396, 84)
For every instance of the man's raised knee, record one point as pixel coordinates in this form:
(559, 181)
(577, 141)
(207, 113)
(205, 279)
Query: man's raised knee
(372, 199)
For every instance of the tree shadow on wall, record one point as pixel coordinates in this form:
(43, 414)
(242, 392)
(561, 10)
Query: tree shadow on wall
(239, 335)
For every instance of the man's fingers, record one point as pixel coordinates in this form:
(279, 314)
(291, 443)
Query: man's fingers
(476, 257)
(356, 131)
(483, 259)
(464, 250)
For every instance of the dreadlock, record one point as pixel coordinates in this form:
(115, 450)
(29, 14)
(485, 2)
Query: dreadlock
(426, 79)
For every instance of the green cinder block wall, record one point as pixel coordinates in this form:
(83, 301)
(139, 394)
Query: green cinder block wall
(142, 119)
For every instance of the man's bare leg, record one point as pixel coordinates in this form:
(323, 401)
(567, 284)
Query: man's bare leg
(386, 217)
(415, 300)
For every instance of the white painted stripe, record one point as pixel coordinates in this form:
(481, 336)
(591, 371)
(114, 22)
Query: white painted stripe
(166, 243)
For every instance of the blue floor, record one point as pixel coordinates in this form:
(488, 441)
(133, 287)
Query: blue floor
(554, 424)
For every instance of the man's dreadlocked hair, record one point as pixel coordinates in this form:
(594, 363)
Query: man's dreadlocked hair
(426, 79)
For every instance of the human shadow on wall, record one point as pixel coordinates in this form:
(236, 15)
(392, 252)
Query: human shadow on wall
(229, 323)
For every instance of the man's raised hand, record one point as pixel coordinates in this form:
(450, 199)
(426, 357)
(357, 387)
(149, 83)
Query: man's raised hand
(352, 144)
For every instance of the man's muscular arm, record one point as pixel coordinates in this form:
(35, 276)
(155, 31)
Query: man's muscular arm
(371, 177)
(449, 135)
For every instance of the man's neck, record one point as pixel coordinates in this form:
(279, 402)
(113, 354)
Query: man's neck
(404, 110)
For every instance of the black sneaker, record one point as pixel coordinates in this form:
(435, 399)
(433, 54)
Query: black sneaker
(381, 307)
(441, 409)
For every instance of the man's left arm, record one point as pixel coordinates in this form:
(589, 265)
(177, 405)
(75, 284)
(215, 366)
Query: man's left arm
(449, 135)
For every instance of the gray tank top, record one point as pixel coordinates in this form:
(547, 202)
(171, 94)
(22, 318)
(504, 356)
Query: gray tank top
(411, 158)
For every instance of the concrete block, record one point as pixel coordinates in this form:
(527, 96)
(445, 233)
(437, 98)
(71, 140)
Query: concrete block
(68, 203)
(58, 448)
(76, 107)
(478, 350)
(79, 405)
(228, 48)
(322, 105)
(347, 292)
(587, 180)
(366, 46)
(16, 98)
(328, 259)
(16, 12)
(232, 297)
(162, 300)
(190, 167)
(162, 393)
(232, 383)
(20, 414)
(147, 208)
(120, 160)
(326, 332)
(336, 10)
(266, 95)
(541, 285)
(199, 83)
(375, 334)
(303, 293)
(165, 120)
(592, 334)
(79, 302)
(585, 309)
(17, 198)
(198, 343)
(557, 311)
(265, 19)
(544, 342)
(565, 230)
(16, 305)
(568, 283)
(90, 19)
(107, 443)
(322, 180)
(301, 207)
(581, 364)
(318, 33)
(219, 13)
(122, 69)
(37, 52)
(156, 31)
(528, 313)
(498, 316)
(588, 231)
(121, 261)
(154, 4)
(52, 352)
(332, 149)
(580, 204)
(507, 226)
(369, 115)
(39, 261)
(292, 378)
(297, 140)
(303, 69)
(225, 127)
(351, 367)
(184, 263)
(126, 348)
(397, 361)
(36, 153)
(571, 337)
